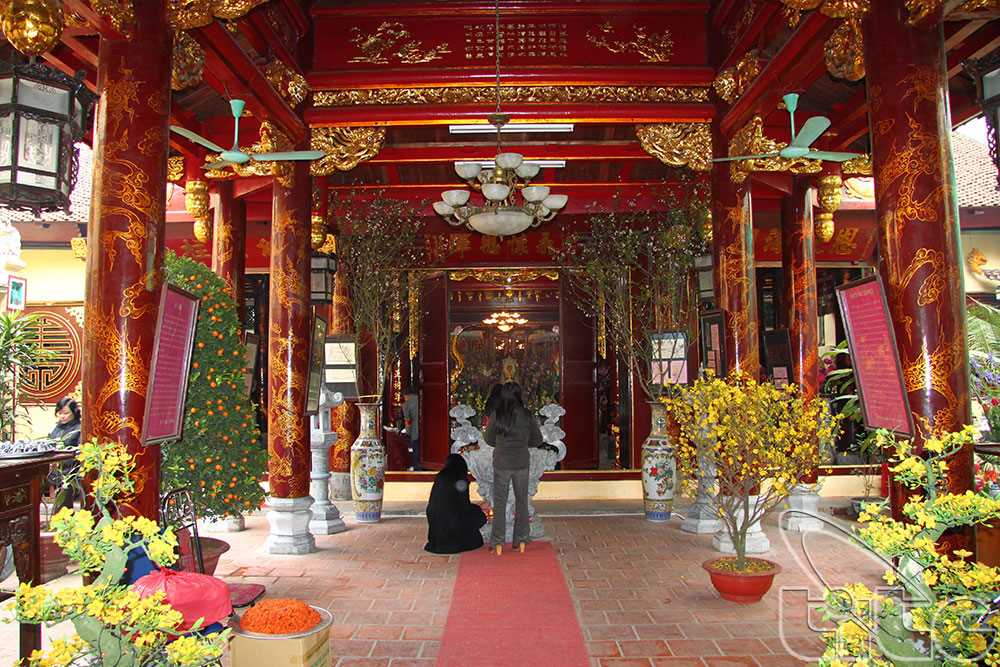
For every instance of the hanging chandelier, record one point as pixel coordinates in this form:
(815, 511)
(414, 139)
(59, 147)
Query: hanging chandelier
(501, 213)
(505, 321)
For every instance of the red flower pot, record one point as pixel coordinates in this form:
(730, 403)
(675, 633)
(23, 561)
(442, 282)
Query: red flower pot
(742, 587)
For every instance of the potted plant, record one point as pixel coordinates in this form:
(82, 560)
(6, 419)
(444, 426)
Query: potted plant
(19, 353)
(761, 440)
(115, 625)
(220, 458)
(941, 609)
(376, 242)
(634, 270)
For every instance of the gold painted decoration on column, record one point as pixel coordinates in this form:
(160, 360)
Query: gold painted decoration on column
(393, 42)
(272, 140)
(175, 169)
(829, 202)
(346, 97)
(750, 140)
(345, 147)
(653, 48)
(32, 26)
(413, 312)
(121, 13)
(187, 61)
(733, 81)
(290, 84)
(678, 144)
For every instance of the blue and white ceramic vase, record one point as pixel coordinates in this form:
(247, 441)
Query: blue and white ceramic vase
(368, 467)
(659, 468)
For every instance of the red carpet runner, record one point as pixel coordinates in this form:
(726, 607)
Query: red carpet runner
(513, 610)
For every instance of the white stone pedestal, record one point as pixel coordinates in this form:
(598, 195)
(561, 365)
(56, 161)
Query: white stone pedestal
(325, 515)
(701, 517)
(757, 542)
(340, 485)
(289, 519)
(803, 510)
(230, 524)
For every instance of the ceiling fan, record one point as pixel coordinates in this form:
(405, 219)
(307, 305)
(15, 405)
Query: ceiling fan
(799, 147)
(235, 155)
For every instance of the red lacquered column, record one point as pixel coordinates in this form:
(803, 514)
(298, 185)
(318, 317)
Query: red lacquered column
(229, 240)
(918, 222)
(125, 253)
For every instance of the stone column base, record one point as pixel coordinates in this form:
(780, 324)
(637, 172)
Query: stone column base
(326, 520)
(289, 519)
(700, 518)
(803, 510)
(340, 485)
(230, 524)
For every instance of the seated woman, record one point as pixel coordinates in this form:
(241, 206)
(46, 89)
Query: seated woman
(453, 522)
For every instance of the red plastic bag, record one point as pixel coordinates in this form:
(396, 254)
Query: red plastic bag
(193, 595)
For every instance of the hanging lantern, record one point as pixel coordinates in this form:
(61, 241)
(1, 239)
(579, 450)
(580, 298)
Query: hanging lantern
(43, 113)
(196, 203)
(32, 26)
(829, 202)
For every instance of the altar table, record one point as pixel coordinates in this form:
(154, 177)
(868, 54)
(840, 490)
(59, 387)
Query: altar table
(20, 498)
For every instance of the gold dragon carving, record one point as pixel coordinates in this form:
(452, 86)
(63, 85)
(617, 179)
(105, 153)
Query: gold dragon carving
(289, 84)
(186, 62)
(345, 147)
(733, 81)
(271, 140)
(393, 42)
(750, 140)
(844, 49)
(508, 94)
(651, 47)
(175, 169)
(858, 166)
(189, 14)
(678, 144)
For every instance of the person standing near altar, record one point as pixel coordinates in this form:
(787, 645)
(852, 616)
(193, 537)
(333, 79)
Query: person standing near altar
(411, 419)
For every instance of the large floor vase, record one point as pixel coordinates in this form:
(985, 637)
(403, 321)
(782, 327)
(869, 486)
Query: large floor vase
(742, 587)
(368, 467)
(659, 468)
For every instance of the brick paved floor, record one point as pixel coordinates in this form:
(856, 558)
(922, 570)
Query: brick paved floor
(641, 595)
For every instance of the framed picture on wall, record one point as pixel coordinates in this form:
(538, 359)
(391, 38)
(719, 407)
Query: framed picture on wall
(712, 334)
(17, 292)
(317, 364)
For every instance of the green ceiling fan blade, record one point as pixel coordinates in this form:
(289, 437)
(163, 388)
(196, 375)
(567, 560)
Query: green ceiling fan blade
(810, 131)
(221, 164)
(831, 156)
(287, 155)
(735, 158)
(197, 138)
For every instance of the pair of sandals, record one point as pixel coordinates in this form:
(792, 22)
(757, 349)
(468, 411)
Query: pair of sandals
(498, 549)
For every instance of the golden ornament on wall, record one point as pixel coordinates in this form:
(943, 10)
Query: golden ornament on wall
(196, 202)
(707, 232)
(829, 195)
(290, 84)
(733, 81)
(859, 166)
(329, 246)
(79, 246)
(187, 62)
(750, 140)
(653, 48)
(844, 51)
(508, 94)
(32, 26)
(678, 144)
(393, 42)
(189, 14)
(175, 169)
(317, 231)
(121, 13)
(345, 147)
(202, 230)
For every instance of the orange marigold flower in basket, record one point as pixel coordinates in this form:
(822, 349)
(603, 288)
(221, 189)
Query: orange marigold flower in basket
(280, 616)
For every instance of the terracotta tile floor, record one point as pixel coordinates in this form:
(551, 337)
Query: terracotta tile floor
(641, 595)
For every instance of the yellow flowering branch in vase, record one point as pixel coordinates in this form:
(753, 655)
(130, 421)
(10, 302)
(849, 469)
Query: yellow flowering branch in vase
(115, 626)
(950, 614)
(759, 438)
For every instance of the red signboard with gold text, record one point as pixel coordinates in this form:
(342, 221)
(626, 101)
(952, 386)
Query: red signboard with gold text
(875, 356)
(168, 376)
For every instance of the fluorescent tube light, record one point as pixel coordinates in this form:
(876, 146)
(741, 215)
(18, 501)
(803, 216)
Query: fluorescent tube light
(511, 127)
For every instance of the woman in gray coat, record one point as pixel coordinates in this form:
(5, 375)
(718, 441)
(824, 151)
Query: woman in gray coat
(512, 431)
